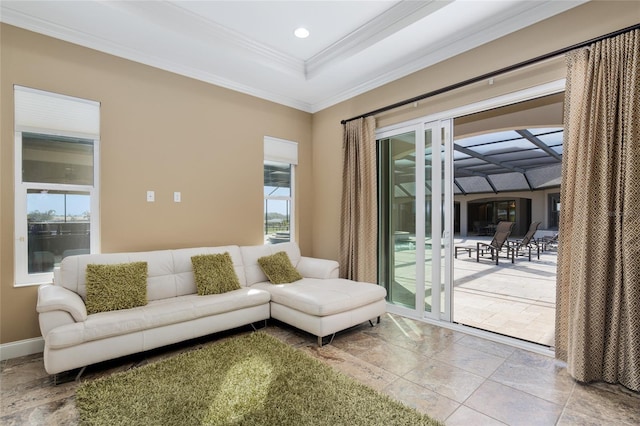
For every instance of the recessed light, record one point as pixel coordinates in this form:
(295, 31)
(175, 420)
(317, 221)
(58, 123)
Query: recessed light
(301, 32)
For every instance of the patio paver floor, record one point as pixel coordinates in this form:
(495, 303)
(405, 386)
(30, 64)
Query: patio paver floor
(516, 299)
(513, 299)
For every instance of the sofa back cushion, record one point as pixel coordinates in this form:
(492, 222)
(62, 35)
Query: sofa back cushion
(251, 254)
(170, 272)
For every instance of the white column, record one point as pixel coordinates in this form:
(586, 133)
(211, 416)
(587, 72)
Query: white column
(464, 231)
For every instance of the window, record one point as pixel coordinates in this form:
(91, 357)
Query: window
(280, 159)
(56, 188)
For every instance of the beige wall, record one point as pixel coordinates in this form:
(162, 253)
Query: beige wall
(582, 23)
(169, 133)
(160, 132)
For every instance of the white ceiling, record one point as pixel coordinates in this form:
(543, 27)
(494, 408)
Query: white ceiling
(248, 46)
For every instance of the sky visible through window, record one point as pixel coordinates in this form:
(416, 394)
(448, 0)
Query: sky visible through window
(69, 205)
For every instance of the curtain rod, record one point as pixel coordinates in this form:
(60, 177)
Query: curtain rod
(493, 73)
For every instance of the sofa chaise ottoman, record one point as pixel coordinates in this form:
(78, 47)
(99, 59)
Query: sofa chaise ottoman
(320, 303)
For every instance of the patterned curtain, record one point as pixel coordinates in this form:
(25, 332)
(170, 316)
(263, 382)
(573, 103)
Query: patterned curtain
(598, 284)
(359, 225)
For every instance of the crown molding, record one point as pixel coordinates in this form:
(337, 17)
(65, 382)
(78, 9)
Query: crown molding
(184, 22)
(18, 19)
(397, 17)
(202, 31)
(207, 77)
(499, 26)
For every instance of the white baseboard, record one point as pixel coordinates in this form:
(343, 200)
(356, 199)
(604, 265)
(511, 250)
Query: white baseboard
(21, 348)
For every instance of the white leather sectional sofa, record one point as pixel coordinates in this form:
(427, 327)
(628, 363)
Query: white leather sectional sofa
(320, 303)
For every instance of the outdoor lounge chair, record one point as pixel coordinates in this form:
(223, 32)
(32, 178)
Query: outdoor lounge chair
(519, 246)
(503, 230)
(547, 241)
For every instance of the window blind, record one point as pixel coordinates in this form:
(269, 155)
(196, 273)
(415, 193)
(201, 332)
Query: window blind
(280, 150)
(53, 112)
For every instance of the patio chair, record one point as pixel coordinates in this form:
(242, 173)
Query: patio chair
(519, 246)
(503, 230)
(547, 241)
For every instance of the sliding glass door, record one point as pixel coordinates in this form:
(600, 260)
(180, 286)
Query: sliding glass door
(416, 211)
(397, 238)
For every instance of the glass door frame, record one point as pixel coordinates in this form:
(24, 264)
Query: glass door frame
(441, 214)
(447, 212)
(388, 254)
(539, 90)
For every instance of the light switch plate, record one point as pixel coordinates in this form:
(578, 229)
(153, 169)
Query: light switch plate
(177, 197)
(151, 196)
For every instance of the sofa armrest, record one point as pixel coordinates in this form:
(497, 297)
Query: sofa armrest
(311, 267)
(55, 298)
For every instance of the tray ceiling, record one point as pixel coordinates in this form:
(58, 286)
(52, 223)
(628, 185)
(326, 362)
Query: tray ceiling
(249, 46)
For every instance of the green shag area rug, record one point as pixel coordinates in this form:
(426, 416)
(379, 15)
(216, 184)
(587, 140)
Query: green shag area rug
(249, 380)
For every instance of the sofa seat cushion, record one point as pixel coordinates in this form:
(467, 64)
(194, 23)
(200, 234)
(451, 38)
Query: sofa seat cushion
(323, 297)
(157, 313)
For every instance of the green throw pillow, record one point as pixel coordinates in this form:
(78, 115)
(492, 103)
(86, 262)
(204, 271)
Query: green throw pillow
(278, 268)
(214, 273)
(114, 287)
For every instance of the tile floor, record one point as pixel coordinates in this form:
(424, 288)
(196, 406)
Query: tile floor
(455, 377)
